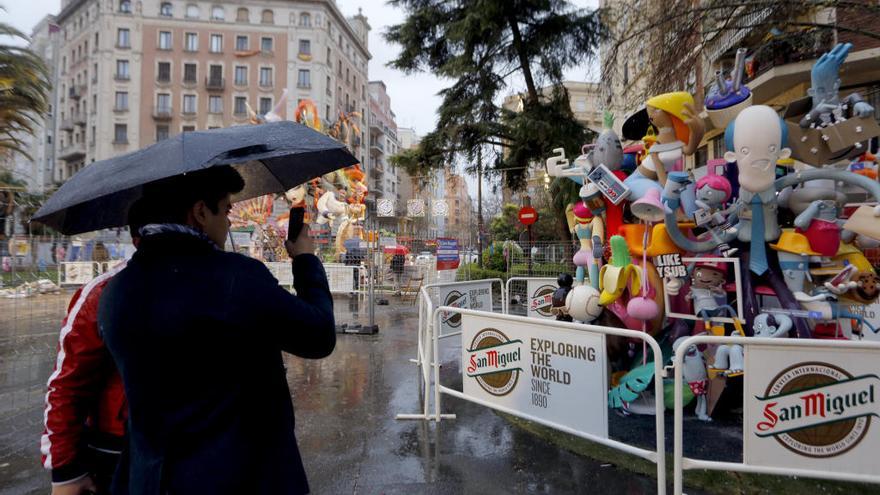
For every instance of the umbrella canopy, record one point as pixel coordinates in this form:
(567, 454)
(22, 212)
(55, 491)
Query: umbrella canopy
(271, 158)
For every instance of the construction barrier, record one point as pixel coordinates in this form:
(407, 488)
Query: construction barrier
(807, 408)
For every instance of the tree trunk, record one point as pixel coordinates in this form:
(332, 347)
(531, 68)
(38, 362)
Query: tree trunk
(480, 206)
(523, 60)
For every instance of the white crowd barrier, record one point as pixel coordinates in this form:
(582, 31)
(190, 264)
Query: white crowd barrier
(807, 408)
(538, 292)
(552, 373)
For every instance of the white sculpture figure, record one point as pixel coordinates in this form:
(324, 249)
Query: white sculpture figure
(296, 195)
(329, 208)
(582, 303)
(729, 358)
(696, 376)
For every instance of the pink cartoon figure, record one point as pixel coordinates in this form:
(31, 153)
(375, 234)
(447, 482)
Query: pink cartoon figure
(713, 193)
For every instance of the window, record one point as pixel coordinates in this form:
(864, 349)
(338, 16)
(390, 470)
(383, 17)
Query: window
(189, 128)
(305, 20)
(161, 132)
(125, 6)
(268, 17)
(242, 15)
(165, 9)
(240, 75)
(265, 105)
(164, 72)
(327, 112)
(190, 73)
(121, 101)
(304, 79)
(305, 47)
(216, 43)
(241, 43)
(328, 55)
(217, 13)
(192, 11)
(164, 40)
(189, 104)
(123, 38)
(215, 74)
(215, 104)
(95, 48)
(240, 108)
(120, 134)
(266, 77)
(329, 86)
(122, 70)
(266, 44)
(163, 103)
(191, 42)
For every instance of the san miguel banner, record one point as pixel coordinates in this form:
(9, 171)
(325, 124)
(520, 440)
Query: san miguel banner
(551, 373)
(811, 409)
(540, 297)
(477, 295)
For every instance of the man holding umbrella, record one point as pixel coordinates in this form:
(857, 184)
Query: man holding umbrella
(196, 332)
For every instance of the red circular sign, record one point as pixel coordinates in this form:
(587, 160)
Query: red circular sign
(528, 215)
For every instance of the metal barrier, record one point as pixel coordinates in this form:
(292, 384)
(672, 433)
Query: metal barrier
(518, 281)
(657, 456)
(343, 278)
(837, 366)
(423, 351)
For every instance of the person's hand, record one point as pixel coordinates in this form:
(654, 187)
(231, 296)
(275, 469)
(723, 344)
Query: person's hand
(302, 245)
(81, 486)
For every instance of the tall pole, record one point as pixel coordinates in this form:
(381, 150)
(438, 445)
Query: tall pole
(480, 206)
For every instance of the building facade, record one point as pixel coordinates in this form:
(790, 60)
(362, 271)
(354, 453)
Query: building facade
(132, 73)
(383, 144)
(460, 222)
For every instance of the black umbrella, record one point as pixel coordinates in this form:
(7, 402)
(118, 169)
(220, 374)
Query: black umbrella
(271, 157)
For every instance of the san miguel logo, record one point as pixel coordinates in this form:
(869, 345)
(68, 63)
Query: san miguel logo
(454, 299)
(494, 361)
(542, 300)
(817, 409)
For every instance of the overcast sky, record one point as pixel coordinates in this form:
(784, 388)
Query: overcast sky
(414, 98)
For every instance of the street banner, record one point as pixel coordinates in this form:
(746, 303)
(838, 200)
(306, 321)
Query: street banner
(540, 297)
(447, 253)
(554, 374)
(387, 241)
(477, 295)
(811, 408)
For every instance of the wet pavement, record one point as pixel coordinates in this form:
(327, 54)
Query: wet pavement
(345, 409)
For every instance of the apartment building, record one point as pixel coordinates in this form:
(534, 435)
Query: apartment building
(383, 144)
(424, 188)
(132, 73)
(461, 222)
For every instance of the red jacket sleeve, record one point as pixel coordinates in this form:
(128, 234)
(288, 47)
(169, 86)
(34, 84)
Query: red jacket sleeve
(74, 385)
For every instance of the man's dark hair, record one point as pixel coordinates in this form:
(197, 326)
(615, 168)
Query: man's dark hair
(170, 199)
(137, 217)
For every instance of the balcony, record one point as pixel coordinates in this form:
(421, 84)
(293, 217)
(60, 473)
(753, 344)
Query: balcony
(215, 83)
(122, 77)
(77, 92)
(377, 126)
(79, 118)
(376, 147)
(67, 124)
(72, 152)
(162, 113)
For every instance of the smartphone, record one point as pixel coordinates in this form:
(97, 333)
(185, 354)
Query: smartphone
(295, 223)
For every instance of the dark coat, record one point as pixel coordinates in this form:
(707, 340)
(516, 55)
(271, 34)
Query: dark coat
(197, 335)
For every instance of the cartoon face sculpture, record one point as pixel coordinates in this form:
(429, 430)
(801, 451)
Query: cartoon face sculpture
(608, 150)
(757, 137)
(708, 278)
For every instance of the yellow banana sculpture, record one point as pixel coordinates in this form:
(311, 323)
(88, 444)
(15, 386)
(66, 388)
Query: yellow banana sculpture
(618, 273)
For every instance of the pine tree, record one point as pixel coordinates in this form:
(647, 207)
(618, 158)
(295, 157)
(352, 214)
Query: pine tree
(483, 46)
